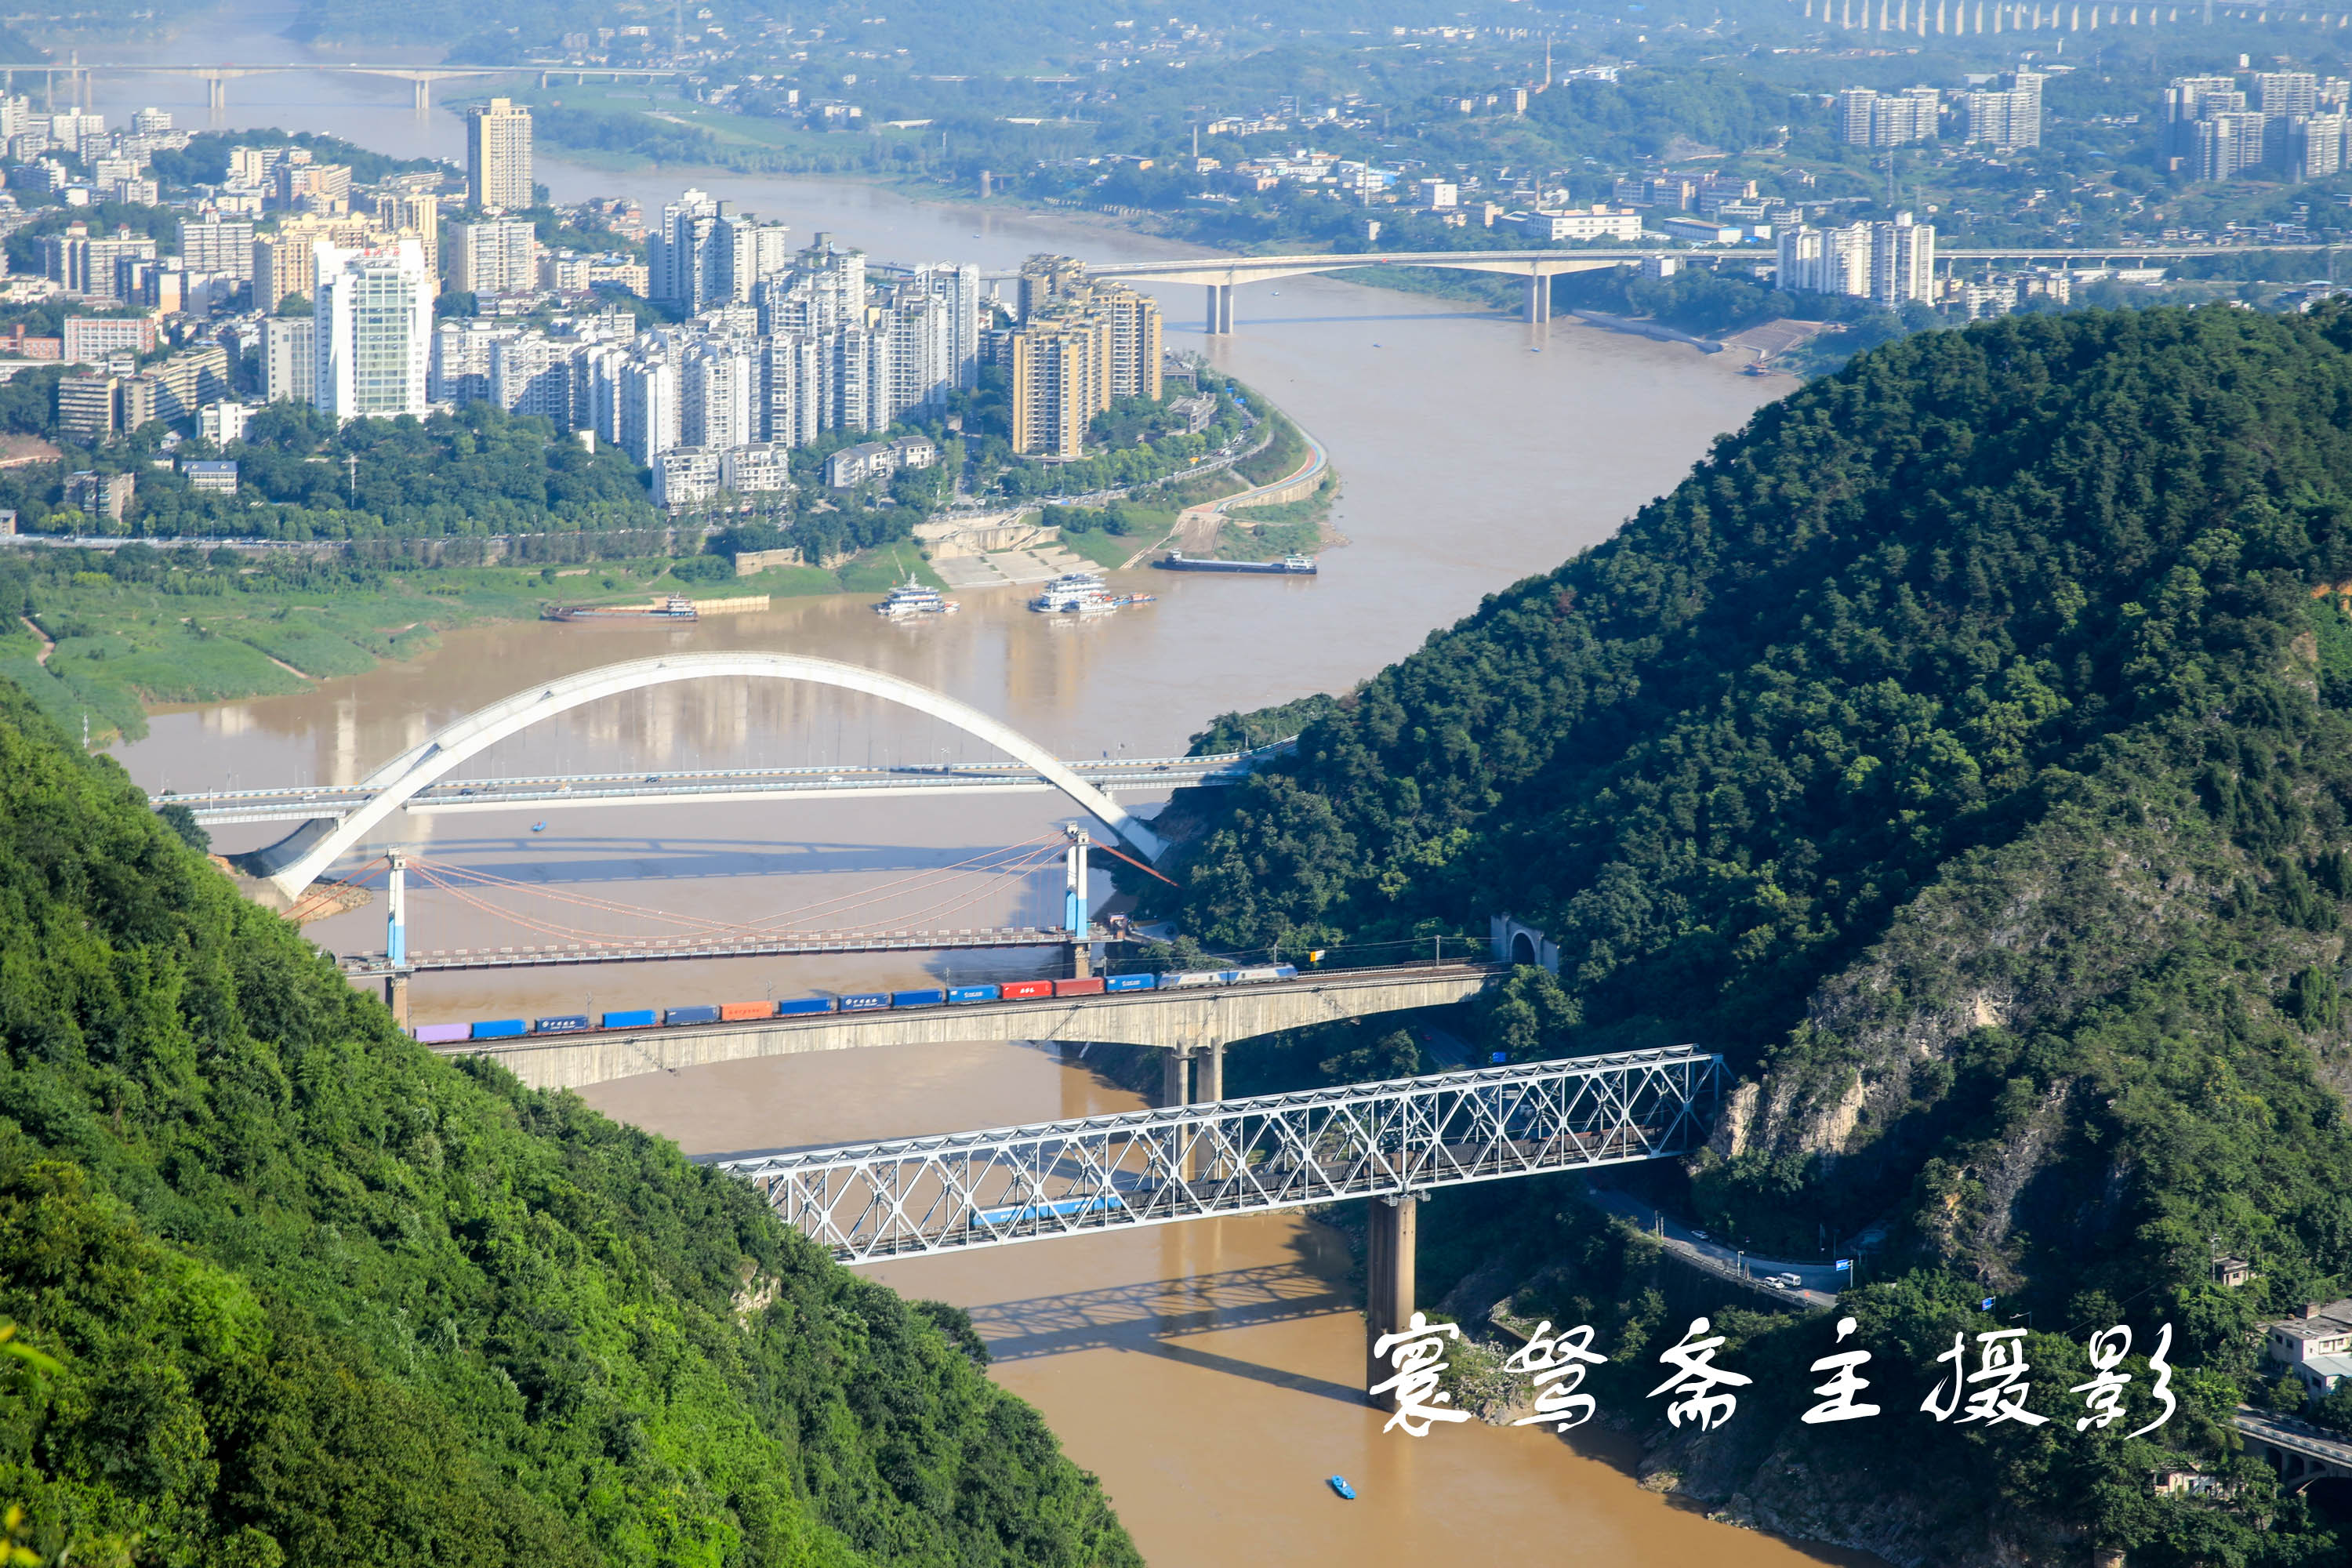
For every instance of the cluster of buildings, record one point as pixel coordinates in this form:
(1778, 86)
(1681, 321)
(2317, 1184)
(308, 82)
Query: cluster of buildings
(2283, 123)
(1892, 263)
(116, 160)
(2005, 116)
(1076, 344)
(1999, 293)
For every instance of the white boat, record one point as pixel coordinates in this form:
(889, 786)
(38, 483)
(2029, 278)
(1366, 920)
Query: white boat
(913, 598)
(1082, 594)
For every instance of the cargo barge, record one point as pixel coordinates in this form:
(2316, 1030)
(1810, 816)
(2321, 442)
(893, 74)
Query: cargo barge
(1288, 567)
(677, 608)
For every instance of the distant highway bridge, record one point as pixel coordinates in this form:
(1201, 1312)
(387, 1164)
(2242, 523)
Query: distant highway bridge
(1220, 275)
(218, 76)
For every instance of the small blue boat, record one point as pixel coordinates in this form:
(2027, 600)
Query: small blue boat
(539, 828)
(1340, 1484)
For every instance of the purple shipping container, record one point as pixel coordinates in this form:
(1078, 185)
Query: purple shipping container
(444, 1034)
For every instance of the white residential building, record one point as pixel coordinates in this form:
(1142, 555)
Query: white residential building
(289, 357)
(684, 476)
(374, 314)
(649, 413)
(499, 256)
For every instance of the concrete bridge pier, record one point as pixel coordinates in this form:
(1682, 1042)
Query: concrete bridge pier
(1538, 299)
(1388, 1283)
(423, 98)
(1220, 309)
(1176, 1078)
(396, 996)
(216, 94)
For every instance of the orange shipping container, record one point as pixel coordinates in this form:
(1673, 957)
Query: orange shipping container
(747, 1010)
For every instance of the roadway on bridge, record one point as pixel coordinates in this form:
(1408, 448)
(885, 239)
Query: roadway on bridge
(557, 792)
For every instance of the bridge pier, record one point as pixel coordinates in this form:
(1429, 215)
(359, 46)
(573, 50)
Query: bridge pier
(216, 93)
(1388, 1282)
(1175, 1079)
(1220, 309)
(1210, 1076)
(423, 97)
(1538, 299)
(396, 996)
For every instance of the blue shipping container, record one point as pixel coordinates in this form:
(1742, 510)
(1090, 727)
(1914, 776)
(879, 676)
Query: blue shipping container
(691, 1015)
(917, 998)
(1127, 981)
(499, 1029)
(559, 1025)
(643, 1018)
(804, 1004)
(866, 1002)
(962, 993)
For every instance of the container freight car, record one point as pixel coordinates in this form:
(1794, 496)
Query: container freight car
(856, 1001)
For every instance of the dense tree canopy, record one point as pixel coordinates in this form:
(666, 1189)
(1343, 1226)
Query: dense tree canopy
(316, 1296)
(1962, 750)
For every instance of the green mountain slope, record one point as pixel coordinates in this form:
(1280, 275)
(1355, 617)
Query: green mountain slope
(318, 1297)
(1963, 750)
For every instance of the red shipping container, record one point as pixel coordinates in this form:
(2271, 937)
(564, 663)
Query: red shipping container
(1078, 987)
(746, 1009)
(1014, 990)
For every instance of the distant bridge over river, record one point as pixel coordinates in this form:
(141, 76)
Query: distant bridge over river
(1220, 275)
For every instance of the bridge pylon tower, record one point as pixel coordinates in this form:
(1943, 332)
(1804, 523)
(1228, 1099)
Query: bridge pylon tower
(395, 937)
(1074, 900)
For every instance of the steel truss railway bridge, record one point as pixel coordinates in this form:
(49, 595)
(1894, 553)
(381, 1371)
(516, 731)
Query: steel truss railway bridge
(1391, 1143)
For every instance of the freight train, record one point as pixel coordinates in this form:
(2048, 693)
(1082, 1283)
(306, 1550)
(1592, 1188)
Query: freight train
(855, 1002)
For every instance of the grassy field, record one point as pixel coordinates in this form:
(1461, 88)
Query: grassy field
(122, 647)
(1271, 532)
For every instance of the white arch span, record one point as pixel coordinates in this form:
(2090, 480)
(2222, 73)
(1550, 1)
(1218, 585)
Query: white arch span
(295, 861)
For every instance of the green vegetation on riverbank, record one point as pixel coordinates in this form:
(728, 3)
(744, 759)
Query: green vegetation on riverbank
(1965, 750)
(317, 1296)
(138, 625)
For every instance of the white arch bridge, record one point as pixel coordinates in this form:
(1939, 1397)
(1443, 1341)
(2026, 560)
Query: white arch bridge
(298, 860)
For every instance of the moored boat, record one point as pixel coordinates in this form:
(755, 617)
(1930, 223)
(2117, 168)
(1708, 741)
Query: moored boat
(913, 598)
(1292, 566)
(677, 608)
(1083, 593)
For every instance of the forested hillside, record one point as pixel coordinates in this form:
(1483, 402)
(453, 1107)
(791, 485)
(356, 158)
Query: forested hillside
(299, 1292)
(1963, 749)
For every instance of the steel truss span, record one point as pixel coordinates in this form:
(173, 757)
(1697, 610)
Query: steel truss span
(963, 1190)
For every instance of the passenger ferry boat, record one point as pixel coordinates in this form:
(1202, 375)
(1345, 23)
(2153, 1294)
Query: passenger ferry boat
(913, 598)
(1083, 593)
